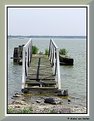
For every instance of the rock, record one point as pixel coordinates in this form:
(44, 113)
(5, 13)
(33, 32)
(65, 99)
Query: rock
(16, 93)
(18, 103)
(38, 101)
(65, 111)
(52, 101)
(17, 106)
(69, 100)
(15, 96)
(66, 60)
(49, 100)
(63, 93)
(25, 90)
(58, 91)
(23, 100)
(13, 102)
(75, 106)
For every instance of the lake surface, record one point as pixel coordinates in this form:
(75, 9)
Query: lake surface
(73, 77)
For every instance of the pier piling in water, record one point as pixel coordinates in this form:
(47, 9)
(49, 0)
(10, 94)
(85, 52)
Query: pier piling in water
(17, 55)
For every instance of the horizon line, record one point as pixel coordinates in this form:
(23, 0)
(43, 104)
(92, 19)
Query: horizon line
(49, 35)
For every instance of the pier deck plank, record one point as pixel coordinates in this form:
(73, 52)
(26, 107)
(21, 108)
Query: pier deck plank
(40, 73)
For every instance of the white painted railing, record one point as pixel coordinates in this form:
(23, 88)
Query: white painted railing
(53, 56)
(54, 59)
(27, 55)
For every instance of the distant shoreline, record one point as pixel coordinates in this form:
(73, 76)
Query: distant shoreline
(37, 36)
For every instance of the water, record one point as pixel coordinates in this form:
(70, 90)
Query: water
(73, 78)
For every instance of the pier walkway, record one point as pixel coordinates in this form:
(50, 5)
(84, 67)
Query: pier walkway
(40, 71)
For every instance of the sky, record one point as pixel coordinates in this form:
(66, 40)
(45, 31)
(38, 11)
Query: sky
(47, 21)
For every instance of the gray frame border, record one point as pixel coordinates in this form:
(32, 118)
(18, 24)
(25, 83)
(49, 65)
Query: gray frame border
(87, 44)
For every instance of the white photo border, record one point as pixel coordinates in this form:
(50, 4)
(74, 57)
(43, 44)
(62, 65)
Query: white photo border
(87, 56)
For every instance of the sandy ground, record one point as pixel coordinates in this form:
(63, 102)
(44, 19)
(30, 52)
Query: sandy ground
(35, 104)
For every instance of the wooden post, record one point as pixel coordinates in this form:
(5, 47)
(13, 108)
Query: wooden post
(25, 67)
(54, 62)
(30, 51)
(28, 56)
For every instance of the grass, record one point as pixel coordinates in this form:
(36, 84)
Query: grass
(26, 110)
(63, 51)
(46, 51)
(34, 50)
(11, 110)
(52, 111)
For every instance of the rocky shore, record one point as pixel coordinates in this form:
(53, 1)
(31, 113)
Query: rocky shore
(43, 103)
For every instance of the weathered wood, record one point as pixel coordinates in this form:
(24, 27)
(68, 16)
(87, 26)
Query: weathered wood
(17, 55)
(40, 73)
(41, 88)
(37, 69)
(42, 83)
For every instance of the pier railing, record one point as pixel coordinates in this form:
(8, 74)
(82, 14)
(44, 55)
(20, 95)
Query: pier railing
(27, 55)
(54, 59)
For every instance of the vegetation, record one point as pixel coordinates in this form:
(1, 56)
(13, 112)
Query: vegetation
(63, 51)
(34, 50)
(46, 51)
(26, 110)
(52, 111)
(11, 110)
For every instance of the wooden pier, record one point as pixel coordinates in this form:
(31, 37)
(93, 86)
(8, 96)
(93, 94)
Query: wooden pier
(40, 71)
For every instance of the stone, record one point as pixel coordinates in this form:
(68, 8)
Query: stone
(25, 90)
(69, 100)
(58, 91)
(63, 93)
(17, 106)
(15, 96)
(66, 60)
(49, 100)
(16, 93)
(13, 102)
(23, 100)
(52, 101)
(38, 101)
